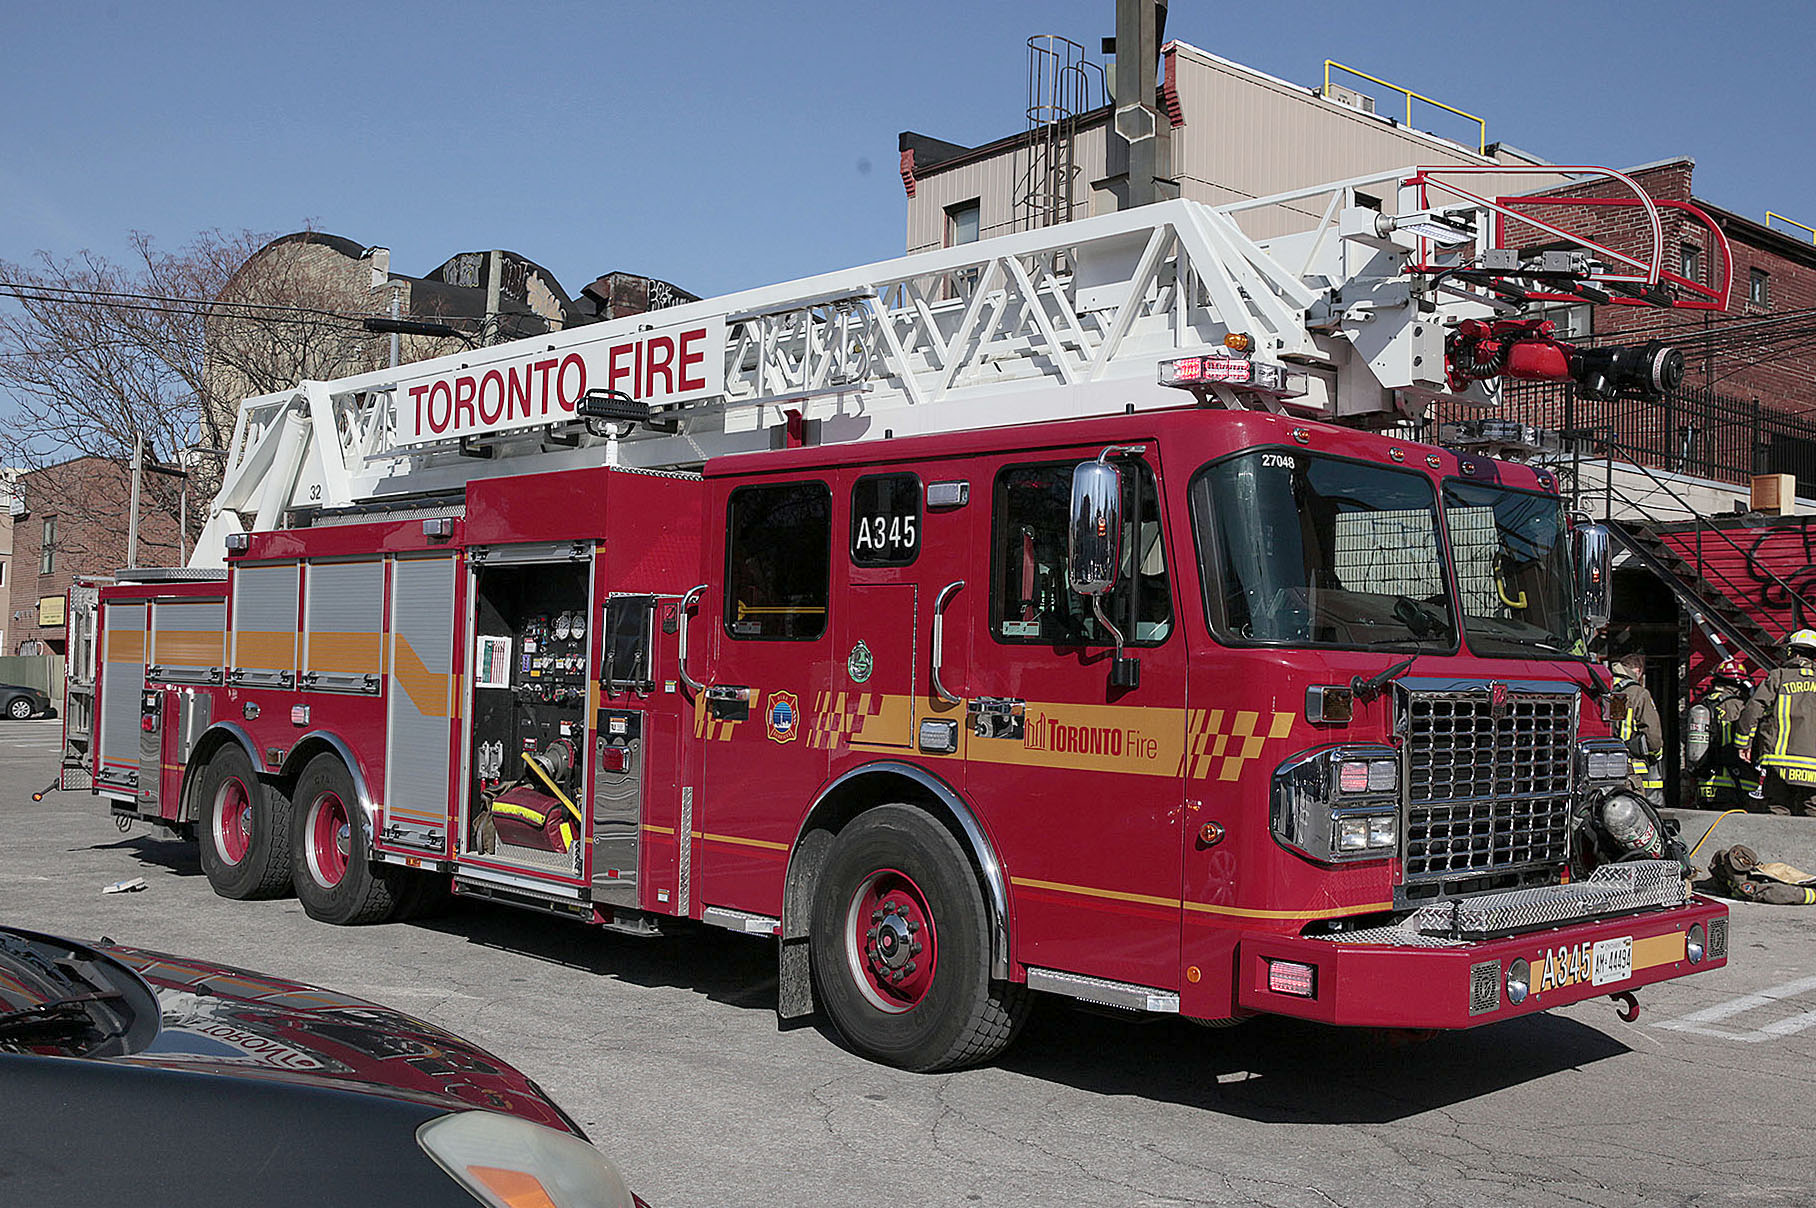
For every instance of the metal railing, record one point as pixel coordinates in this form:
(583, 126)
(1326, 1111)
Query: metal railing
(1770, 216)
(1694, 430)
(1411, 96)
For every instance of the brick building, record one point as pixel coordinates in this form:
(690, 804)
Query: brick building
(72, 519)
(1771, 274)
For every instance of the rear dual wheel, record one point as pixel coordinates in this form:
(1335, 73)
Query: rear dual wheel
(335, 877)
(901, 946)
(244, 836)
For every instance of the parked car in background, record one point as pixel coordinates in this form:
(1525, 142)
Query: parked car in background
(20, 701)
(132, 1077)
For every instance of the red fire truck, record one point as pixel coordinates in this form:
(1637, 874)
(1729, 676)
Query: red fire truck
(1031, 615)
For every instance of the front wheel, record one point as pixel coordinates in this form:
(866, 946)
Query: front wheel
(19, 709)
(333, 870)
(901, 948)
(244, 831)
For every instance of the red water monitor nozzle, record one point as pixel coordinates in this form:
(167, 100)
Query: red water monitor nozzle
(1529, 350)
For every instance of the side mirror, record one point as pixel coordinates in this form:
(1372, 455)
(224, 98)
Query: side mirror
(1592, 546)
(1094, 537)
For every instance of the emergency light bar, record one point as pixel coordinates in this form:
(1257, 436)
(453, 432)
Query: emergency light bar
(1225, 369)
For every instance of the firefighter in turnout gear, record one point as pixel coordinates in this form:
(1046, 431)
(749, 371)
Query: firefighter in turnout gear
(1712, 754)
(1779, 724)
(1640, 727)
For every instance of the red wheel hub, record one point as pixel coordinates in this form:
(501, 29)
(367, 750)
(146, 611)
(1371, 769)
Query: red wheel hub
(330, 839)
(233, 820)
(891, 943)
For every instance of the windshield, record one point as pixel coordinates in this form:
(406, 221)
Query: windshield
(1316, 551)
(1513, 570)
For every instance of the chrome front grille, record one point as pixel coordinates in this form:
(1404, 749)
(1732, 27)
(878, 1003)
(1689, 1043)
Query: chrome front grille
(1488, 788)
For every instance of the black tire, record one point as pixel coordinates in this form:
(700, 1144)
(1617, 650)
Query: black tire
(242, 828)
(332, 867)
(20, 708)
(895, 878)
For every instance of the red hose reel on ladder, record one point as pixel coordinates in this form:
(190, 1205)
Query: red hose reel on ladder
(1528, 349)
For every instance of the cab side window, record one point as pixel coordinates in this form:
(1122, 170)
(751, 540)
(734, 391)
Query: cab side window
(778, 561)
(886, 520)
(1030, 600)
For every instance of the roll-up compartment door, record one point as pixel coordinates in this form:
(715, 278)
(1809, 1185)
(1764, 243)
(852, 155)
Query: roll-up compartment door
(188, 641)
(122, 684)
(344, 622)
(419, 706)
(264, 625)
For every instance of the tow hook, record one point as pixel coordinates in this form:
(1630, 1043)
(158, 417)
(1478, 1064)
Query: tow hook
(1629, 1005)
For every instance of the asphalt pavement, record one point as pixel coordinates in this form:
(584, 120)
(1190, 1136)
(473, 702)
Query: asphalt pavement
(668, 1051)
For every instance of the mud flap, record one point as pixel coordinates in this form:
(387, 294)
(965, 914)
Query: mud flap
(794, 980)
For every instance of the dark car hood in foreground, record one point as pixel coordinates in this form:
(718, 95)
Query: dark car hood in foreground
(226, 1020)
(219, 1020)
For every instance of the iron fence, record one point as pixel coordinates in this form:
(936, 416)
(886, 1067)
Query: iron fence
(1694, 430)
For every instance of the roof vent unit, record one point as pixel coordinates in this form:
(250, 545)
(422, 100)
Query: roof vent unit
(1349, 96)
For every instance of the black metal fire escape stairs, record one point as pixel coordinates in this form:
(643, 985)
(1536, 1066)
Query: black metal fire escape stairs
(1705, 591)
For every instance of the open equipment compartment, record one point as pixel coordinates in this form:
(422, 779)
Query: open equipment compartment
(528, 743)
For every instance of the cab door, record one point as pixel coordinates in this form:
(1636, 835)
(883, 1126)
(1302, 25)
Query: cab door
(1082, 777)
(772, 647)
(871, 705)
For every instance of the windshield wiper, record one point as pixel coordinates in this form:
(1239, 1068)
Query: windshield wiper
(1421, 619)
(58, 1019)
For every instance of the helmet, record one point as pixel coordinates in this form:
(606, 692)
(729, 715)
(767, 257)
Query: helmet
(1805, 638)
(1733, 669)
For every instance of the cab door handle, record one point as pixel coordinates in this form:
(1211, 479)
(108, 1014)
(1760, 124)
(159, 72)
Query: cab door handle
(728, 702)
(939, 638)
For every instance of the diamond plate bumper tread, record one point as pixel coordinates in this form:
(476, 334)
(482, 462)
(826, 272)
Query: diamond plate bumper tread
(1611, 890)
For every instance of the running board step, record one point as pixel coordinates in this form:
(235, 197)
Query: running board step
(1103, 991)
(621, 919)
(506, 895)
(741, 920)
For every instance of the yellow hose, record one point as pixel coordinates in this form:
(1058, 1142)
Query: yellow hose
(1711, 831)
(574, 809)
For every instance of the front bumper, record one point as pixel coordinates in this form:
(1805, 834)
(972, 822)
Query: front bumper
(1401, 986)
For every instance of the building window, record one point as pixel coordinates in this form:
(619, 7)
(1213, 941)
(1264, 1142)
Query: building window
(1689, 262)
(2, 574)
(47, 556)
(962, 223)
(779, 562)
(1575, 320)
(1758, 287)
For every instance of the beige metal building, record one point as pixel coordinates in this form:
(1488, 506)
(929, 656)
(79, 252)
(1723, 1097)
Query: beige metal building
(1235, 134)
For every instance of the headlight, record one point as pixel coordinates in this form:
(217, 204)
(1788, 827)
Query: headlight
(1519, 980)
(1603, 761)
(1339, 804)
(509, 1163)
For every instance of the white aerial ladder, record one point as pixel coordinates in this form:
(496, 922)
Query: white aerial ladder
(1346, 321)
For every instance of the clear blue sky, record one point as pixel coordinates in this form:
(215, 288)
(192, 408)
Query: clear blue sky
(721, 144)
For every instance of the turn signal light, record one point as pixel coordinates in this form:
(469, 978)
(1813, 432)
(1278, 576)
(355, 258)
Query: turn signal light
(1237, 342)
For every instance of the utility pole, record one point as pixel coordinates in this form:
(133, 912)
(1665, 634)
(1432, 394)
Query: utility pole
(379, 263)
(1139, 131)
(494, 284)
(132, 521)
